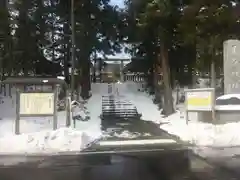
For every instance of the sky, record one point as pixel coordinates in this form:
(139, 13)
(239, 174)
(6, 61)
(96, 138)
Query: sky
(120, 3)
(122, 55)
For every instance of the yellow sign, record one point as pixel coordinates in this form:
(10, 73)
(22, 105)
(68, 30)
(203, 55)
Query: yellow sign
(201, 100)
(36, 103)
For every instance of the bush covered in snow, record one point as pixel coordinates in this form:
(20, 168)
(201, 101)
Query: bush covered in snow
(80, 111)
(61, 105)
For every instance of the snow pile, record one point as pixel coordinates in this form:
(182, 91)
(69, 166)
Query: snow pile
(203, 134)
(37, 135)
(229, 96)
(47, 142)
(228, 102)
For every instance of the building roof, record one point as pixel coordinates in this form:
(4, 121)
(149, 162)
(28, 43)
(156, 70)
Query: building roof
(112, 67)
(137, 65)
(33, 80)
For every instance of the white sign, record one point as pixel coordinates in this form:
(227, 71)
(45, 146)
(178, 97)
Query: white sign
(199, 100)
(38, 88)
(36, 103)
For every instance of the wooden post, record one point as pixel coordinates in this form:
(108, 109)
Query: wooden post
(213, 106)
(17, 120)
(55, 122)
(68, 110)
(121, 71)
(186, 109)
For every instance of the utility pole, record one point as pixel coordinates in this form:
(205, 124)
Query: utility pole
(73, 57)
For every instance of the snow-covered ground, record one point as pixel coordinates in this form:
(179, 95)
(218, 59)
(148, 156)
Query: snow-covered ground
(205, 139)
(141, 100)
(200, 133)
(46, 142)
(37, 136)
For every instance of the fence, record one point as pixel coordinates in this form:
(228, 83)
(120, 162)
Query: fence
(134, 77)
(6, 90)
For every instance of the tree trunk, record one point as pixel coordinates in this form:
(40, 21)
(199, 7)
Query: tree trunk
(213, 75)
(212, 53)
(94, 72)
(94, 68)
(156, 80)
(67, 47)
(168, 99)
(53, 41)
(66, 64)
(150, 78)
(85, 78)
(100, 69)
(78, 84)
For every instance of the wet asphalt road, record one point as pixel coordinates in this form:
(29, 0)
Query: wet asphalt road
(123, 168)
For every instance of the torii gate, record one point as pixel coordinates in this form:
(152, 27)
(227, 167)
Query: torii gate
(121, 64)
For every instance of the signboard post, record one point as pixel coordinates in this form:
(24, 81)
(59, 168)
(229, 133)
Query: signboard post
(37, 102)
(200, 100)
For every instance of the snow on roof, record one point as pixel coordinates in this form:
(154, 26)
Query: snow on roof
(228, 96)
(228, 102)
(33, 80)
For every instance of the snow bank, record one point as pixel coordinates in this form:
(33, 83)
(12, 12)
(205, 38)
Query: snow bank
(37, 136)
(203, 134)
(29, 124)
(47, 142)
(228, 102)
(229, 96)
(227, 107)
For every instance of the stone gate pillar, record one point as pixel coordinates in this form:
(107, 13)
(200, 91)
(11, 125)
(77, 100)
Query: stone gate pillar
(231, 65)
(121, 71)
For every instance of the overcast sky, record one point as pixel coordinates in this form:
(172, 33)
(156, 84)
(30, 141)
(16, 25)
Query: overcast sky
(120, 3)
(122, 55)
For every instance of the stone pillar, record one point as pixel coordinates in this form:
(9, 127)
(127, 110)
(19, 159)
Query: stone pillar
(231, 66)
(121, 71)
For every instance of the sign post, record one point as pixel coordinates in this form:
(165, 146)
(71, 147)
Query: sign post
(231, 62)
(200, 100)
(37, 102)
